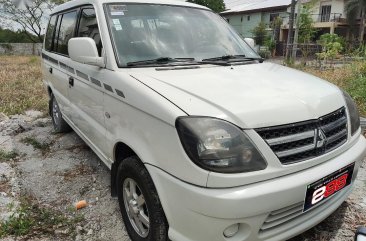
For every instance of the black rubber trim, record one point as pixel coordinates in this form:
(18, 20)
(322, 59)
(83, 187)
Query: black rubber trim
(95, 81)
(108, 87)
(68, 68)
(47, 57)
(114, 169)
(120, 93)
(82, 75)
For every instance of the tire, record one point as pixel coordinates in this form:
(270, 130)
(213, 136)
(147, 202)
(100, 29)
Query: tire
(144, 202)
(59, 124)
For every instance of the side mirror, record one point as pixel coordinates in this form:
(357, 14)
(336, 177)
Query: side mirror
(84, 50)
(250, 42)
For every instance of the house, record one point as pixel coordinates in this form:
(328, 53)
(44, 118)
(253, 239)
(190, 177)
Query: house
(328, 16)
(246, 15)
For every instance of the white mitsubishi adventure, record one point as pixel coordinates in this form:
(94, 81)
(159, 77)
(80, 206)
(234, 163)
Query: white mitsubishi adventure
(204, 141)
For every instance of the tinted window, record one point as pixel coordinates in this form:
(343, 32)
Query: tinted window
(89, 27)
(50, 31)
(66, 31)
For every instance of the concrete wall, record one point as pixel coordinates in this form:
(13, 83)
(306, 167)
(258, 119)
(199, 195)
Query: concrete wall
(245, 23)
(20, 48)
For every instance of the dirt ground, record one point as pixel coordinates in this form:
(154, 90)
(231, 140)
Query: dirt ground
(57, 170)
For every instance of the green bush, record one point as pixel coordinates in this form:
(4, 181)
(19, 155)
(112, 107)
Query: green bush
(332, 46)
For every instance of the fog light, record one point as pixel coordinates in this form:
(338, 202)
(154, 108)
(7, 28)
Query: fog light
(231, 230)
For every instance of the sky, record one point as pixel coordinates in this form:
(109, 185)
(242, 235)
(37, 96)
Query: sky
(16, 26)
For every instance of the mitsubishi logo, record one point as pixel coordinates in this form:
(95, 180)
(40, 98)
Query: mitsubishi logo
(320, 139)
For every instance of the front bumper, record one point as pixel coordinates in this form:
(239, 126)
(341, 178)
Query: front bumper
(268, 210)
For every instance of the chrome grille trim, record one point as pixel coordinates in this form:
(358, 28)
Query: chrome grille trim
(295, 150)
(337, 136)
(337, 123)
(279, 216)
(290, 138)
(305, 140)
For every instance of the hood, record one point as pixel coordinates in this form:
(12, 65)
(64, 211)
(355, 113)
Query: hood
(250, 96)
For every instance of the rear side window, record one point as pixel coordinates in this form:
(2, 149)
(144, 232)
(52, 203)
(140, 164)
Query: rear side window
(66, 31)
(88, 27)
(50, 32)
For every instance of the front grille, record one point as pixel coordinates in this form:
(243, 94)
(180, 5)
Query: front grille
(304, 140)
(282, 219)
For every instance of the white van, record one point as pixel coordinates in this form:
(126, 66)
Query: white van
(204, 141)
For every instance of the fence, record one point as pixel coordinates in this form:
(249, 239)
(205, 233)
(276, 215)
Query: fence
(20, 48)
(302, 50)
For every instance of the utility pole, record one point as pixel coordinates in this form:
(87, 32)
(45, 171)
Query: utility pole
(290, 31)
(296, 38)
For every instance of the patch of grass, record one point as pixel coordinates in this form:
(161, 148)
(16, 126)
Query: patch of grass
(30, 218)
(21, 86)
(33, 60)
(5, 156)
(35, 143)
(351, 78)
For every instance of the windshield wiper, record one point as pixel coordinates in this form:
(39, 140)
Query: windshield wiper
(160, 60)
(235, 58)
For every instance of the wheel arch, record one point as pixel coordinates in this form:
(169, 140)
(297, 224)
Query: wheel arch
(49, 91)
(121, 151)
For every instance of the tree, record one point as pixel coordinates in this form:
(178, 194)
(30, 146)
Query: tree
(307, 30)
(352, 9)
(9, 36)
(260, 34)
(332, 46)
(31, 16)
(216, 5)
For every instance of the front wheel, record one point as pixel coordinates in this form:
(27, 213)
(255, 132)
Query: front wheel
(139, 202)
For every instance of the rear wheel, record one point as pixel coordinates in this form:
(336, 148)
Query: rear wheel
(139, 202)
(59, 124)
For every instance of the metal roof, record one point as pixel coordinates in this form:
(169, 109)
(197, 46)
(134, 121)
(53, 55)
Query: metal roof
(235, 6)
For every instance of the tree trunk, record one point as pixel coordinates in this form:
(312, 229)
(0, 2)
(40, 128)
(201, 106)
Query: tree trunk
(362, 26)
(40, 38)
(290, 39)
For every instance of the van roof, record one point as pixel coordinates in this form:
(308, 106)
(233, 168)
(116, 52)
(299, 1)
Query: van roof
(75, 3)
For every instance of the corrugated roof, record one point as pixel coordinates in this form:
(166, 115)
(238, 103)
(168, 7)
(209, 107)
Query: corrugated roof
(250, 5)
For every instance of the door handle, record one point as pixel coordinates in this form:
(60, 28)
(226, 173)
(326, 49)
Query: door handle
(50, 70)
(71, 82)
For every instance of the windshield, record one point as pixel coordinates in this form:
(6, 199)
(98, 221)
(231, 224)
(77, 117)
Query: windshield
(149, 31)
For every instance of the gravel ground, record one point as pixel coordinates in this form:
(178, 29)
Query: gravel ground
(63, 170)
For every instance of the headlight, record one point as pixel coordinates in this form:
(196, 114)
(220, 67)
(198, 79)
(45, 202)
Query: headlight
(353, 113)
(218, 145)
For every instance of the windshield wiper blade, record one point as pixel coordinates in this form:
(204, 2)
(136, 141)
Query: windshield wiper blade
(160, 60)
(232, 57)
